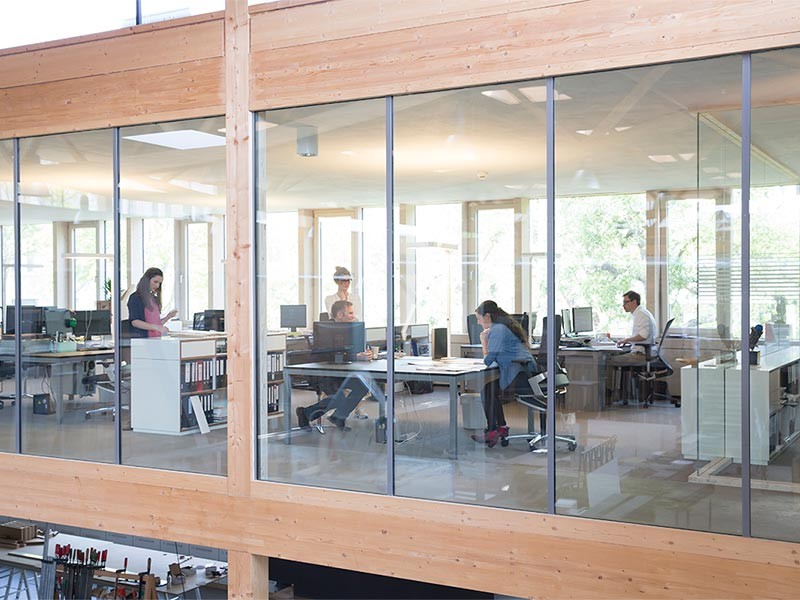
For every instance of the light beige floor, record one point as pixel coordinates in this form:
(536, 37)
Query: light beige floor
(644, 480)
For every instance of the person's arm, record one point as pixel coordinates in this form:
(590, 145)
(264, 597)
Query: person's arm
(641, 329)
(491, 343)
(169, 315)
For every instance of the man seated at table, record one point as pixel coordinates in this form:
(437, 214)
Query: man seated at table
(643, 332)
(340, 396)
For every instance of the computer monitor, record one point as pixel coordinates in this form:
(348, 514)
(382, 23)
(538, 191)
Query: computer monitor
(214, 319)
(57, 320)
(375, 336)
(92, 322)
(582, 319)
(566, 320)
(32, 319)
(199, 321)
(337, 342)
(522, 319)
(293, 316)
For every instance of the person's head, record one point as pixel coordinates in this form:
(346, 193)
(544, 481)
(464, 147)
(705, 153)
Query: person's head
(631, 301)
(342, 278)
(489, 313)
(342, 311)
(149, 286)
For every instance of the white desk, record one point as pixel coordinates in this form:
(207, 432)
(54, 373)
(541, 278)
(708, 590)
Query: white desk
(455, 372)
(711, 408)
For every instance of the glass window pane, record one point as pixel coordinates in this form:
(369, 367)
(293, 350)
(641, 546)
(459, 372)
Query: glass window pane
(65, 188)
(463, 235)
(7, 365)
(321, 240)
(44, 20)
(775, 295)
(172, 180)
(163, 10)
(647, 203)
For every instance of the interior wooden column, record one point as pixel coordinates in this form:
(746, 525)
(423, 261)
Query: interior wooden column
(248, 573)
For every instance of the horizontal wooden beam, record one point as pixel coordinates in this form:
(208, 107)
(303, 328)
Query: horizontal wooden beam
(503, 551)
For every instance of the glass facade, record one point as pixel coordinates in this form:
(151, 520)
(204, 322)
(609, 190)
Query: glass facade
(644, 228)
(646, 355)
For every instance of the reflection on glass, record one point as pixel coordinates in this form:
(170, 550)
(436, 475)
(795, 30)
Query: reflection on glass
(469, 165)
(321, 256)
(646, 193)
(7, 362)
(66, 202)
(775, 296)
(172, 187)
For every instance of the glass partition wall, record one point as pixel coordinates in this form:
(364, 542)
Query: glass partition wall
(8, 368)
(321, 280)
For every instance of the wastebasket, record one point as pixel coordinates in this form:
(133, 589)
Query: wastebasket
(472, 411)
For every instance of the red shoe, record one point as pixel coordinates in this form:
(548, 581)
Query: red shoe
(488, 437)
(503, 431)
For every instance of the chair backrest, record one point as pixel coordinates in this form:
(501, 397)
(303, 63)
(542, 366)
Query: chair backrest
(323, 316)
(541, 356)
(664, 333)
(473, 329)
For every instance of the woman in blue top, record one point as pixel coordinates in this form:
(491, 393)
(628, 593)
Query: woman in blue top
(504, 344)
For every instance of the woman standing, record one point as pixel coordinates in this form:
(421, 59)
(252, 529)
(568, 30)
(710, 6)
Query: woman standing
(343, 279)
(504, 343)
(144, 306)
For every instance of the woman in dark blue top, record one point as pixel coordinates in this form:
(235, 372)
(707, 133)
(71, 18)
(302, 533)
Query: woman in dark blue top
(504, 344)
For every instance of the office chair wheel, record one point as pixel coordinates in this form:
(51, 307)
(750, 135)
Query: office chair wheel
(504, 442)
(571, 447)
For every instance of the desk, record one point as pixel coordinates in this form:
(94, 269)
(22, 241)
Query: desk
(711, 408)
(455, 372)
(586, 369)
(63, 374)
(29, 559)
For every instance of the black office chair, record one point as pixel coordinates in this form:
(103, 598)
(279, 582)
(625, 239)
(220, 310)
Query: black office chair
(536, 402)
(7, 371)
(473, 329)
(323, 316)
(656, 368)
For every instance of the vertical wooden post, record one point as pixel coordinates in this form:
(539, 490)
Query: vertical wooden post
(248, 574)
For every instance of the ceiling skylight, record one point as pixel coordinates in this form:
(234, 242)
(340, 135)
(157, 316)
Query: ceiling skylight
(183, 139)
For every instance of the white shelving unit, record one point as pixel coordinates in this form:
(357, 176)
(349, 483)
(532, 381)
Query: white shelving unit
(167, 372)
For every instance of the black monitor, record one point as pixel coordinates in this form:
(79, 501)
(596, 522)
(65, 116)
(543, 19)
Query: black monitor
(293, 316)
(566, 320)
(522, 319)
(582, 319)
(214, 319)
(337, 342)
(92, 322)
(32, 319)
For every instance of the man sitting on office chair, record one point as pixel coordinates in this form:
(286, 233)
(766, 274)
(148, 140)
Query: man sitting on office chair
(643, 332)
(343, 396)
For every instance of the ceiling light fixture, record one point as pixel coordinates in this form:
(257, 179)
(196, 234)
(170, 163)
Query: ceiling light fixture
(538, 93)
(662, 158)
(182, 139)
(503, 96)
(307, 140)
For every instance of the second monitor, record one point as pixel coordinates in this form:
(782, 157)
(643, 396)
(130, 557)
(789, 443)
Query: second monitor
(293, 316)
(582, 319)
(337, 342)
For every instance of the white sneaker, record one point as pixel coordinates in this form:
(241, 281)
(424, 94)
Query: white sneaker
(359, 414)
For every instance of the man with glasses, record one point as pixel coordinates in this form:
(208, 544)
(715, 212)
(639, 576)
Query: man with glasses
(643, 332)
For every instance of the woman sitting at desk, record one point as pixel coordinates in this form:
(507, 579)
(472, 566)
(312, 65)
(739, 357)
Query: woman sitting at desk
(144, 306)
(505, 344)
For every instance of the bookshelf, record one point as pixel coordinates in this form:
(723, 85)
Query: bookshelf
(273, 359)
(166, 373)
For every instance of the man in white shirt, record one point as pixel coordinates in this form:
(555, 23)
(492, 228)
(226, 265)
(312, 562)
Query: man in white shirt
(644, 332)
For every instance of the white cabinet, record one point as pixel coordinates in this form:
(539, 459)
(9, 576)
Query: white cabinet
(166, 373)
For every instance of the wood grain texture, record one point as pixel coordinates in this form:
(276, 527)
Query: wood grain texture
(178, 91)
(113, 55)
(238, 268)
(505, 551)
(550, 40)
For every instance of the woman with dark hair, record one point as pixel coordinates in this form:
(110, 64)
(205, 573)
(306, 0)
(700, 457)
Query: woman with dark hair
(144, 306)
(504, 344)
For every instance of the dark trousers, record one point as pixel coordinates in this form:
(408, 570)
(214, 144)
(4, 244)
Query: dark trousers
(342, 404)
(493, 407)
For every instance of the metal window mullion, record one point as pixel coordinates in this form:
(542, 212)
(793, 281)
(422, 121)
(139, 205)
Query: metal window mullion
(17, 302)
(745, 291)
(257, 152)
(390, 483)
(115, 297)
(551, 298)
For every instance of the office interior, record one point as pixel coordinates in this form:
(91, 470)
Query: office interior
(647, 197)
(75, 374)
(624, 166)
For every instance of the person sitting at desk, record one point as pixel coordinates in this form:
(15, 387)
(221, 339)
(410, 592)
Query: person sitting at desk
(505, 344)
(345, 395)
(644, 332)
